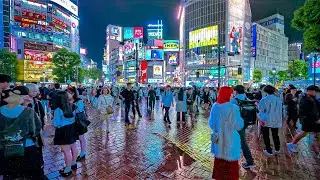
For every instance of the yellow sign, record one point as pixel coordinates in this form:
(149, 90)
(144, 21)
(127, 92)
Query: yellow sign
(171, 44)
(203, 37)
(34, 71)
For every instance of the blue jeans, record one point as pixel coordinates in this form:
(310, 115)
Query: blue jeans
(244, 146)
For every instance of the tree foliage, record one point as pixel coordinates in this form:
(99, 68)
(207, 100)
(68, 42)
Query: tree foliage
(306, 19)
(95, 73)
(283, 76)
(257, 75)
(298, 69)
(8, 63)
(65, 65)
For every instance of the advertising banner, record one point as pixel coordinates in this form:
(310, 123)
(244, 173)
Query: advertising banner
(129, 50)
(33, 15)
(67, 4)
(236, 40)
(115, 33)
(75, 36)
(154, 54)
(34, 55)
(171, 45)
(35, 46)
(128, 33)
(138, 32)
(172, 58)
(1, 28)
(203, 37)
(154, 34)
(143, 72)
(254, 41)
(157, 71)
(215, 73)
(33, 72)
(313, 64)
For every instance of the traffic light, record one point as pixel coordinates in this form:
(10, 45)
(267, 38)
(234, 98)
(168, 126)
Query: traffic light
(239, 71)
(198, 74)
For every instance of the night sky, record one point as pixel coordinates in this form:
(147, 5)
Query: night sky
(95, 15)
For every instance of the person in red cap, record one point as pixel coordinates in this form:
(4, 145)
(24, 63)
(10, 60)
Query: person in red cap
(225, 121)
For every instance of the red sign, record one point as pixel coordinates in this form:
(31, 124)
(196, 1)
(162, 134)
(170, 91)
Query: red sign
(59, 22)
(33, 55)
(143, 75)
(33, 15)
(138, 32)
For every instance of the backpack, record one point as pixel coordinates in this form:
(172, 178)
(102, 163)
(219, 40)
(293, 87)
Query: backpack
(248, 111)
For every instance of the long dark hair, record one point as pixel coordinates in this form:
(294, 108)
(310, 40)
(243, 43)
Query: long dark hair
(73, 90)
(64, 104)
(180, 94)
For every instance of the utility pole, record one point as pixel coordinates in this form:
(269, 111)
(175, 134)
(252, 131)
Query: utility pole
(314, 68)
(219, 60)
(137, 65)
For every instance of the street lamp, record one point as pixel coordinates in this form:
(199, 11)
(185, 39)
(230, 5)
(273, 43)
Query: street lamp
(274, 76)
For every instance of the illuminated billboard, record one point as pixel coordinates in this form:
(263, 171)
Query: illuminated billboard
(171, 45)
(172, 58)
(114, 32)
(29, 71)
(203, 37)
(313, 64)
(236, 40)
(154, 54)
(67, 4)
(83, 51)
(157, 71)
(254, 41)
(128, 33)
(155, 30)
(138, 32)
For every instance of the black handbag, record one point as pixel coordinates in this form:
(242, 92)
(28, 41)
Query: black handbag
(82, 120)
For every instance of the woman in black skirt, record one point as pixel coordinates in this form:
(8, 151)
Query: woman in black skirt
(80, 112)
(65, 134)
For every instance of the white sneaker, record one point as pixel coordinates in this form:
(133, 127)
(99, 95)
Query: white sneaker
(266, 153)
(276, 152)
(292, 147)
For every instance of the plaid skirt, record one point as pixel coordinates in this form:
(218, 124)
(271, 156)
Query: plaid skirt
(225, 170)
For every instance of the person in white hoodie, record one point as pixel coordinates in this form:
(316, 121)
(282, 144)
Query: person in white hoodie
(225, 121)
(105, 100)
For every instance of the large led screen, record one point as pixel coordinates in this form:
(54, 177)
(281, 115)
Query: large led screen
(154, 54)
(203, 37)
(172, 58)
(128, 33)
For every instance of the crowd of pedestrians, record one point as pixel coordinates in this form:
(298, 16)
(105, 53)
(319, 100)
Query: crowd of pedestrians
(25, 110)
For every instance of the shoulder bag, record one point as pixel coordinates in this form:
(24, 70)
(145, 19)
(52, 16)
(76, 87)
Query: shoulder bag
(109, 109)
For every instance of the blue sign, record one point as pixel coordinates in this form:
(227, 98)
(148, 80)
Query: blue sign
(1, 27)
(154, 54)
(115, 31)
(254, 41)
(272, 21)
(312, 63)
(128, 32)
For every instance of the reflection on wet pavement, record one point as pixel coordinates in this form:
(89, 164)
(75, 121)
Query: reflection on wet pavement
(154, 150)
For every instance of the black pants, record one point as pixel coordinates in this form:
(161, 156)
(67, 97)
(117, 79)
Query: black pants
(29, 167)
(166, 117)
(266, 138)
(135, 107)
(126, 115)
(152, 102)
(183, 116)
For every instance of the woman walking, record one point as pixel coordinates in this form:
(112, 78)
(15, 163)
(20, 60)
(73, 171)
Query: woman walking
(65, 134)
(225, 121)
(105, 101)
(80, 112)
(181, 106)
(167, 102)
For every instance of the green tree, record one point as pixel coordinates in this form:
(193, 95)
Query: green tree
(8, 63)
(297, 69)
(283, 76)
(95, 73)
(257, 75)
(82, 74)
(65, 64)
(306, 19)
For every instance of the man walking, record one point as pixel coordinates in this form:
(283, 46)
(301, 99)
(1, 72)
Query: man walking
(127, 97)
(240, 95)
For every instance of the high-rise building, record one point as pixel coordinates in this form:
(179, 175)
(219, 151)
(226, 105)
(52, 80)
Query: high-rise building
(274, 22)
(35, 30)
(271, 50)
(210, 27)
(295, 51)
(114, 38)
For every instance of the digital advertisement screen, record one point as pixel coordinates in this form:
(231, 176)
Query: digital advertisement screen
(236, 40)
(128, 47)
(154, 54)
(172, 58)
(313, 64)
(254, 41)
(203, 37)
(115, 33)
(128, 33)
